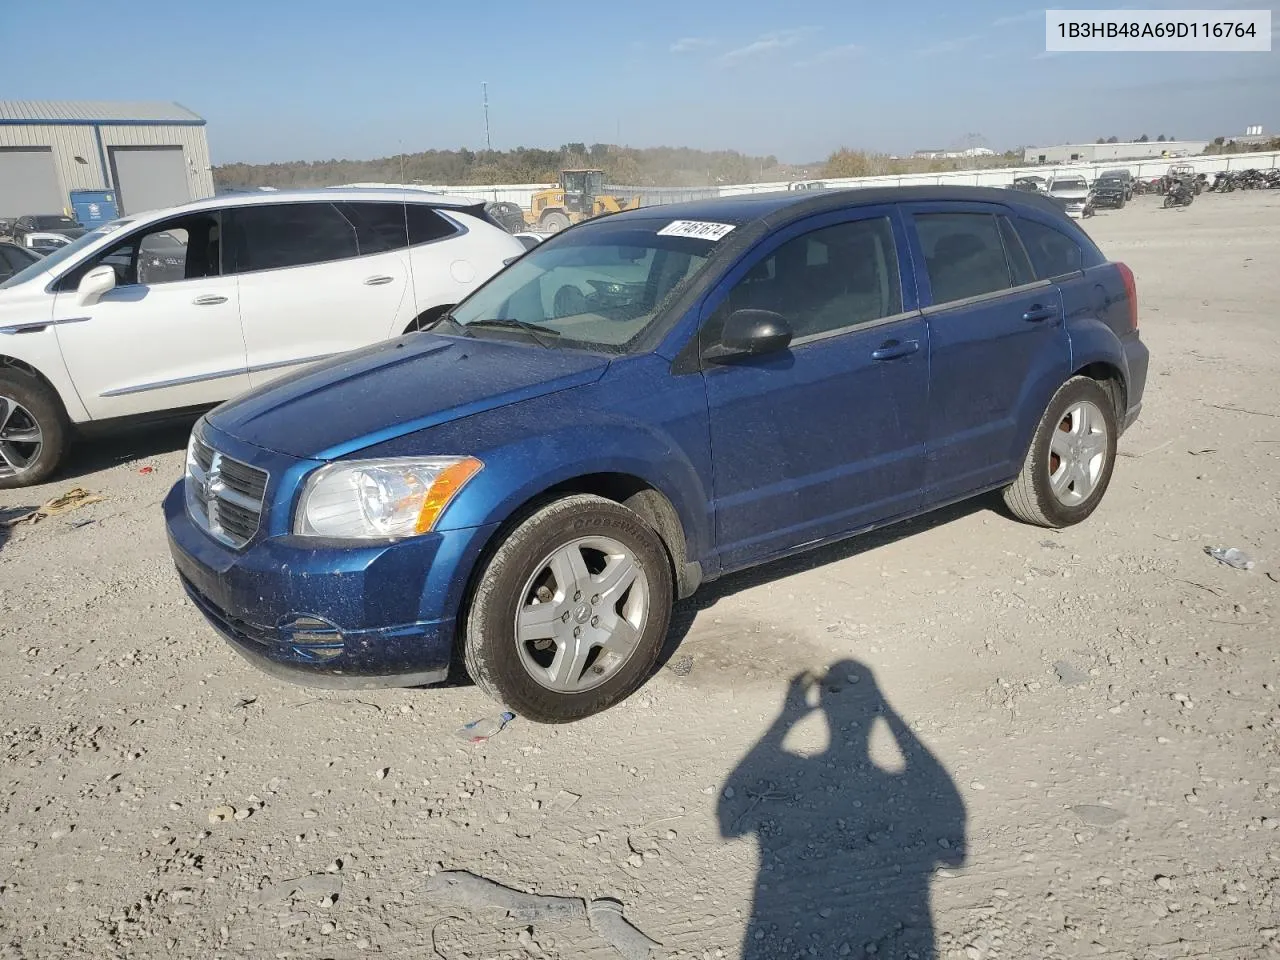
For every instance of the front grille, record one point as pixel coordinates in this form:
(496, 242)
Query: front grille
(224, 496)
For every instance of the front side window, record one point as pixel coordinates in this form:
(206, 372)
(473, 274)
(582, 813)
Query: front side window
(599, 286)
(964, 256)
(830, 279)
(1052, 252)
(182, 248)
(274, 235)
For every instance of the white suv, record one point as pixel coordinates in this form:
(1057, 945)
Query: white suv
(179, 309)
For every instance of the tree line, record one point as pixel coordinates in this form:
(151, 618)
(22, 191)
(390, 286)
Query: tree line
(652, 166)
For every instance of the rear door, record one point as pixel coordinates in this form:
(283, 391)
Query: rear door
(312, 283)
(827, 436)
(998, 347)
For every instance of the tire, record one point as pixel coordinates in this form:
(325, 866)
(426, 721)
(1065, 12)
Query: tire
(537, 676)
(30, 408)
(1168, 200)
(554, 222)
(1084, 405)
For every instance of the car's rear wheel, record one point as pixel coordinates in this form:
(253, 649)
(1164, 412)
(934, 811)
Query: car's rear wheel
(34, 430)
(1071, 458)
(571, 611)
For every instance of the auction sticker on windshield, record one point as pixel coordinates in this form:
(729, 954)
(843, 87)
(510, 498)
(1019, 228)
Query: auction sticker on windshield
(699, 229)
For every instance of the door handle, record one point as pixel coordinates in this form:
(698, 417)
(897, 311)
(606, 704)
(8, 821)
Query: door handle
(1038, 313)
(209, 300)
(376, 281)
(892, 349)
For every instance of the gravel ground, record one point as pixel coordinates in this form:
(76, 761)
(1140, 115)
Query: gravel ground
(1022, 743)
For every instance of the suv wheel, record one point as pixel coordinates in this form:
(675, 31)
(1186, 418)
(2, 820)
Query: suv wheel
(571, 611)
(34, 430)
(1072, 455)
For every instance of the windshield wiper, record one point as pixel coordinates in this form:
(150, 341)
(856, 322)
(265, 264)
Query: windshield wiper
(534, 330)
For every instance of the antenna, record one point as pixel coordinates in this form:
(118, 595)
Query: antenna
(408, 246)
(484, 86)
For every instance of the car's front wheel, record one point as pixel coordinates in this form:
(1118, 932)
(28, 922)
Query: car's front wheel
(34, 431)
(570, 613)
(1069, 463)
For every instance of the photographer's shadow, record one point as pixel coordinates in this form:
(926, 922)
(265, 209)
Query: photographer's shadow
(847, 847)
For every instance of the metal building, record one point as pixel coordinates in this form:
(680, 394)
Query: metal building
(1124, 150)
(143, 155)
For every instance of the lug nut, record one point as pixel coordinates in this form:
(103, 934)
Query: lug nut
(595, 621)
(577, 632)
(565, 618)
(595, 599)
(577, 595)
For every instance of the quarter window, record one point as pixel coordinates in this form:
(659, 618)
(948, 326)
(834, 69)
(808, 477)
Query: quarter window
(275, 235)
(1053, 253)
(963, 255)
(837, 277)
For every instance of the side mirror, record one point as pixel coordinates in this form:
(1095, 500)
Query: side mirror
(95, 284)
(751, 333)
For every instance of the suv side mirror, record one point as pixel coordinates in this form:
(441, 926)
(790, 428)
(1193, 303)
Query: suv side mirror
(95, 284)
(751, 333)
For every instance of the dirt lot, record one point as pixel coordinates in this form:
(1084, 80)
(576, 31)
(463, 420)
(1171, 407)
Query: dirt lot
(1026, 744)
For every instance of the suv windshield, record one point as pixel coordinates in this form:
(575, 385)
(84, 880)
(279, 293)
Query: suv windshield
(597, 287)
(1068, 185)
(62, 254)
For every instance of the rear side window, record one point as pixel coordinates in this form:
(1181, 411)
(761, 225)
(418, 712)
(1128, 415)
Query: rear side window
(379, 226)
(276, 235)
(963, 254)
(1052, 252)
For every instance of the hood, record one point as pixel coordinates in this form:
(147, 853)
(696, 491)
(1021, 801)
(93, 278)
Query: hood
(394, 388)
(1070, 193)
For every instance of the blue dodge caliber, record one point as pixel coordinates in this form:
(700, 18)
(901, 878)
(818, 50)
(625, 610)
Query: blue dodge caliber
(643, 403)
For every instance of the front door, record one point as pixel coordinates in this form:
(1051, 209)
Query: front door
(168, 336)
(827, 436)
(998, 346)
(311, 284)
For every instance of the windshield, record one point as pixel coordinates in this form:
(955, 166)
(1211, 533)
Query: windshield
(61, 254)
(596, 287)
(1068, 185)
(55, 223)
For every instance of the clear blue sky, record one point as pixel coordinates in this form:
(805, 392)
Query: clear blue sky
(291, 80)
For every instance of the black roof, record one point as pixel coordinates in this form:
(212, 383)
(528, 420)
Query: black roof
(783, 205)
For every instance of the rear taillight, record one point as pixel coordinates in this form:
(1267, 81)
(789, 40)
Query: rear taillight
(1130, 294)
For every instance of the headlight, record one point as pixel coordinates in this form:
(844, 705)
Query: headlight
(381, 499)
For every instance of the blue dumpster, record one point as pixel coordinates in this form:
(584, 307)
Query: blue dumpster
(93, 207)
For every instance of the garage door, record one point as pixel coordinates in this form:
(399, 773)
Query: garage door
(29, 182)
(148, 178)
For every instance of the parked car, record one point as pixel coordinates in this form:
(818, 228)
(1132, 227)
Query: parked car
(1124, 176)
(1030, 184)
(48, 231)
(14, 258)
(1109, 191)
(113, 329)
(507, 215)
(534, 488)
(1074, 193)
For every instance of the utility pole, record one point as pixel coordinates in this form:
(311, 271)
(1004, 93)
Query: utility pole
(484, 86)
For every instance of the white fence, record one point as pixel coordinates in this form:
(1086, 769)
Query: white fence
(522, 193)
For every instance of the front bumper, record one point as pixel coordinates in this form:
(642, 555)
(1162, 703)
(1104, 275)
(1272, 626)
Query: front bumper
(328, 614)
